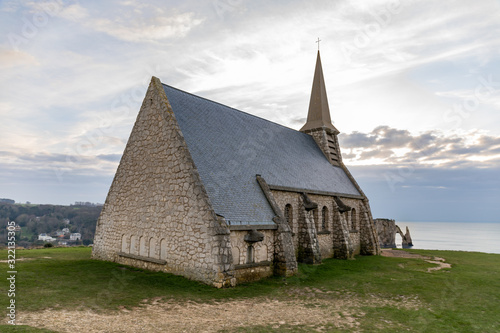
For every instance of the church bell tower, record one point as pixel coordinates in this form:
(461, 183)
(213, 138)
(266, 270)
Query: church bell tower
(319, 124)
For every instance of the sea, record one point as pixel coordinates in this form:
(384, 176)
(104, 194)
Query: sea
(457, 236)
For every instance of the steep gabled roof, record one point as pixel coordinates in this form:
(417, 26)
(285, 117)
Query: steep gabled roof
(230, 147)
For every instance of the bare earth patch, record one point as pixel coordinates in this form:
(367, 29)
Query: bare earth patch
(308, 306)
(403, 254)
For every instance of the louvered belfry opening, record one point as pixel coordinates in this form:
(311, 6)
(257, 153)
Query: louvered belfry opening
(332, 148)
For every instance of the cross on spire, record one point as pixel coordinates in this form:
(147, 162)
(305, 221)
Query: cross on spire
(319, 40)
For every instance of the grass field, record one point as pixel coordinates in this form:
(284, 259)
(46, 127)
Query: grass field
(381, 294)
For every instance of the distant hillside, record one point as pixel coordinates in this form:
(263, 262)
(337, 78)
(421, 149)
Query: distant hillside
(37, 219)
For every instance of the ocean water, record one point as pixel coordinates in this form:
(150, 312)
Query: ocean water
(478, 237)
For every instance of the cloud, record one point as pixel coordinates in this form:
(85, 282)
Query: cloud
(386, 145)
(427, 193)
(130, 21)
(57, 165)
(14, 58)
(137, 29)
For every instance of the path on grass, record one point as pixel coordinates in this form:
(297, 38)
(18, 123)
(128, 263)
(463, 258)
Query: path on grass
(403, 254)
(316, 309)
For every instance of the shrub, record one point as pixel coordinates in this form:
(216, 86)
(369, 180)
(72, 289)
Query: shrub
(48, 245)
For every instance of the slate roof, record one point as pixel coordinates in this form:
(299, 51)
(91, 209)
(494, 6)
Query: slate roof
(230, 147)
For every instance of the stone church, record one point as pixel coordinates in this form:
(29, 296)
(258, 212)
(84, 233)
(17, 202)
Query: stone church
(221, 196)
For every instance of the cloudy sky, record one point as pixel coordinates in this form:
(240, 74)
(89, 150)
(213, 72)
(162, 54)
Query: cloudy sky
(413, 86)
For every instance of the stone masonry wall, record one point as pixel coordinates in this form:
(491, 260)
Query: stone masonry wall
(263, 251)
(341, 232)
(325, 245)
(157, 214)
(247, 270)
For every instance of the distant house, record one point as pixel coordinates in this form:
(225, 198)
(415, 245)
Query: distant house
(66, 221)
(46, 238)
(17, 228)
(60, 233)
(61, 242)
(75, 236)
(66, 230)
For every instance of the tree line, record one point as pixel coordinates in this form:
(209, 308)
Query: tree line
(37, 219)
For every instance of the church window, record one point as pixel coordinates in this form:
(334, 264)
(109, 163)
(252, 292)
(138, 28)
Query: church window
(250, 254)
(133, 245)
(354, 220)
(152, 248)
(236, 255)
(261, 253)
(324, 218)
(347, 216)
(163, 249)
(289, 215)
(142, 246)
(124, 244)
(315, 217)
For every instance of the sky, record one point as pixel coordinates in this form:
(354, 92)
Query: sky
(413, 87)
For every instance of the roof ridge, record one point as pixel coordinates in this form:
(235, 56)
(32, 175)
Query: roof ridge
(230, 107)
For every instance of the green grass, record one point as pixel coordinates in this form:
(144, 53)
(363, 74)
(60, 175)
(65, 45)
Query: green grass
(465, 298)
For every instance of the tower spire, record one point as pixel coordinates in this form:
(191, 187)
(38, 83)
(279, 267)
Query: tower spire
(319, 112)
(319, 125)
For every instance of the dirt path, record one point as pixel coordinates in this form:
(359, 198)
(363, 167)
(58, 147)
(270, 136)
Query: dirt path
(316, 309)
(403, 254)
(311, 307)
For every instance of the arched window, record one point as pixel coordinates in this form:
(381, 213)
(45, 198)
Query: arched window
(236, 255)
(324, 218)
(261, 253)
(250, 254)
(152, 248)
(124, 244)
(316, 219)
(133, 245)
(354, 219)
(348, 220)
(289, 215)
(142, 247)
(163, 249)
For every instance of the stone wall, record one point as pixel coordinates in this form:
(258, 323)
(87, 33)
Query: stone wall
(354, 235)
(252, 261)
(340, 235)
(157, 206)
(263, 251)
(253, 272)
(325, 244)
